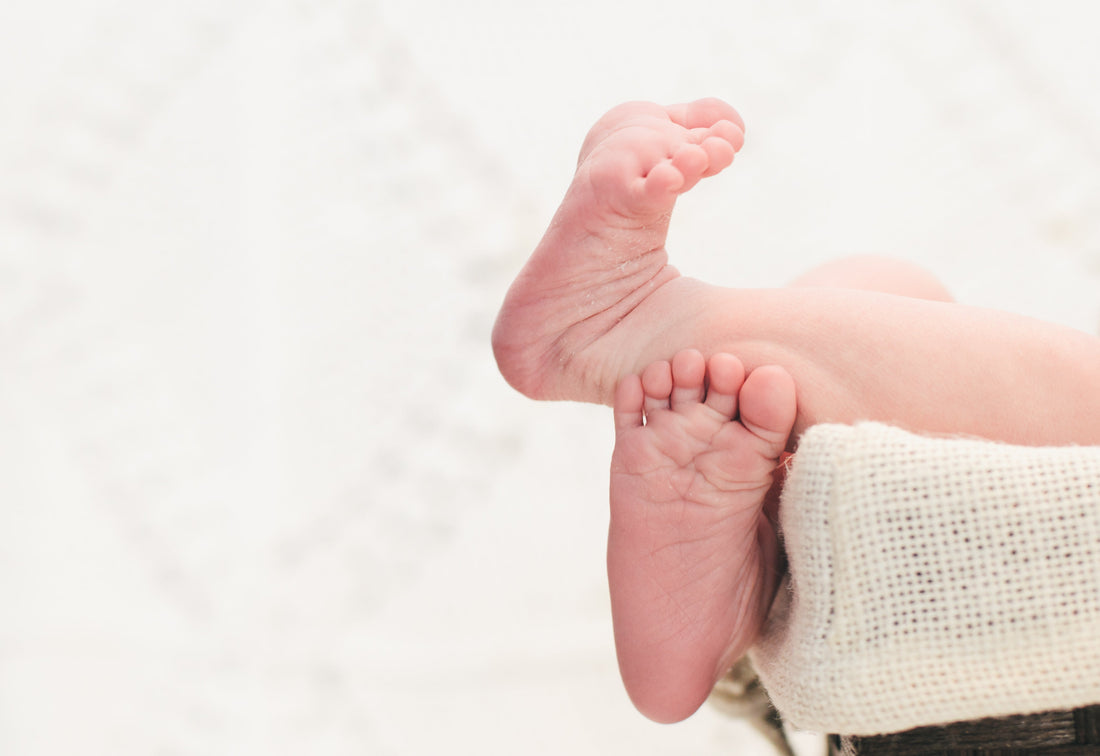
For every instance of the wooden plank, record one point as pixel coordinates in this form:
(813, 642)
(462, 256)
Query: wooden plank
(1058, 732)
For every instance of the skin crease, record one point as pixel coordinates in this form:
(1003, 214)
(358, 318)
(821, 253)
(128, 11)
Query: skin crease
(870, 339)
(597, 307)
(692, 557)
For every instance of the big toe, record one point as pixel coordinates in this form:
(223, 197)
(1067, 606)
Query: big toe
(768, 405)
(615, 119)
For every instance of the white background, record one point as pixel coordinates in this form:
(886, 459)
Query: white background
(262, 490)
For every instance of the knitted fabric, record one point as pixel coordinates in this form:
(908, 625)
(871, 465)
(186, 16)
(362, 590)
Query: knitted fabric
(933, 580)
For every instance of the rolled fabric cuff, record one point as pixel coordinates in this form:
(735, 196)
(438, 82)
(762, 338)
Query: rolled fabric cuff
(933, 580)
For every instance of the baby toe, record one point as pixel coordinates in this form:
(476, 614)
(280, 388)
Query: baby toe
(768, 404)
(657, 386)
(725, 374)
(691, 160)
(688, 374)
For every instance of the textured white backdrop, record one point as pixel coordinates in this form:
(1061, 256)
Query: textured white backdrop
(261, 489)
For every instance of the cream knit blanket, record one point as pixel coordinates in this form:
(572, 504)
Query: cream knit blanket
(933, 580)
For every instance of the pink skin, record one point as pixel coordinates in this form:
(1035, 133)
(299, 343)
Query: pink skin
(692, 558)
(598, 301)
(604, 253)
(863, 339)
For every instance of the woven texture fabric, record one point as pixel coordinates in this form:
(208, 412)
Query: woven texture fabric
(933, 580)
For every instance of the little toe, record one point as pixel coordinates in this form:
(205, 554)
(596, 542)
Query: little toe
(657, 385)
(657, 186)
(725, 374)
(629, 401)
(689, 370)
(768, 405)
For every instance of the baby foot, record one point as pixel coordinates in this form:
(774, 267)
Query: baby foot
(692, 558)
(604, 253)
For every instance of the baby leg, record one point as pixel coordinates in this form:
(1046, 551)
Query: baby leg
(692, 558)
(872, 273)
(598, 301)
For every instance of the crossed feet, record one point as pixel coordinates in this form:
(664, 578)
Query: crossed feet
(692, 555)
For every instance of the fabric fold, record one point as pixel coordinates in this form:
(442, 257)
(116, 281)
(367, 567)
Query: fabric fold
(933, 580)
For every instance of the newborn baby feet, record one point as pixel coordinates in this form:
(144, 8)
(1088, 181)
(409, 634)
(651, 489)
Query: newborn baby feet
(692, 558)
(574, 312)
